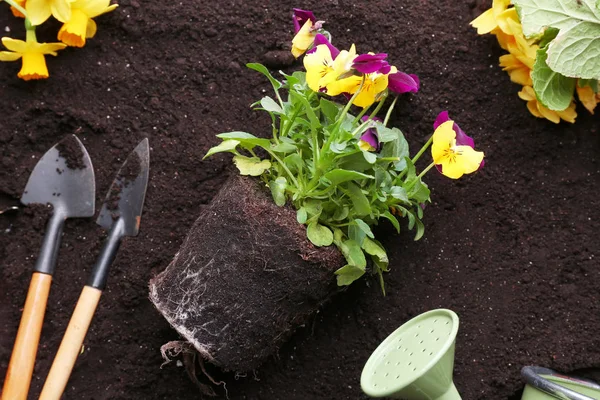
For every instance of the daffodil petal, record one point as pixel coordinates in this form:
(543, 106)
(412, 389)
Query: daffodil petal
(16, 45)
(93, 8)
(61, 9)
(9, 56)
(50, 48)
(38, 11)
(34, 67)
(91, 29)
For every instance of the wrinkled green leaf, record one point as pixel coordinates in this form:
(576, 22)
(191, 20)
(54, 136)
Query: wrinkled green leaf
(319, 235)
(348, 274)
(225, 146)
(278, 190)
(252, 166)
(338, 176)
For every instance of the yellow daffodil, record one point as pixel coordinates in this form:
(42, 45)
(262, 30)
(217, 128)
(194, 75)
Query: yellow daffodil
(39, 11)
(588, 97)
(538, 110)
(16, 12)
(487, 21)
(81, 25)
(454, 159)
(518, 72)
(32, 52)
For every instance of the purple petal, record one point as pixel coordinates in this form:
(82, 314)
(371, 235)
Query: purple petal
(461, 137)
(441, 118)
(401, 82)
(371, 137)
(300, 17)
(322, 39)
(366, 118)
(369, 63)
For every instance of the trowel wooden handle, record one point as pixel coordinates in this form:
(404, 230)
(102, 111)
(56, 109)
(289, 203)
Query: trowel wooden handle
(22, 360)
(70, 347)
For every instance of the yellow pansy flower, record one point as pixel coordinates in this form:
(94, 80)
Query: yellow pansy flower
(32, 53)
(373, 86)
(455, 160)
(588, 97)
(38, 11)
(318, 64)
(487, 21)
(81, 25)
(341, 65)
(303, 39)
(538, 110)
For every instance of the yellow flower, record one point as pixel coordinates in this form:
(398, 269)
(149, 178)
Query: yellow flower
(318, 64)
(518, 72)
(588, 97)
(16, 12)
(32, 52)
(341, 65)
(81, 25)
(39, 11)
(487, 21)
(372, 88)
(455, 160)
(538, 110)
(303, 39)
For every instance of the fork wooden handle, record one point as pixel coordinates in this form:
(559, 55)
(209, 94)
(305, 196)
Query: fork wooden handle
(70, 347)
(22, 360)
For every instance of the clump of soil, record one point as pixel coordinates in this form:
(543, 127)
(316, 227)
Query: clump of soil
(72, 153)
(245, 278)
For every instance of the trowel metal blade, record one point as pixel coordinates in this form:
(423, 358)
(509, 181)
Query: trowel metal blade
(125, 198)
(64, 177)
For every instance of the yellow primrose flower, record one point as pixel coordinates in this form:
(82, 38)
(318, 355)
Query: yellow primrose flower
(538, 110)
(16, 12)
(81, 25)
(32, 52)
(455, 160)
(39, 11)
(588, 97)
(518, 72)
(487, 21)
(374, 84)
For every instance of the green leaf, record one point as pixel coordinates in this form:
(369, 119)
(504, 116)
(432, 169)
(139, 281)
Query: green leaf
(553, 90)
(395, 148)
(338, 176)
(310, 113)
(283, 147)
(593, 83)
(359, 200)
(294, 162)
(375, 249)
(388, 215)
(356, 234)
(252, 166)
(226, 145)
(420, 229)
(418, 190)
(364, 227)
(301, 215)
(319, 235)
(246, 139)
(370, 157)
(340, 213)
(263, 70)
(348, 274)
(278, 190)
(399, 193)
(329, 109)
(574, 52)
(271, 105)
(353, 253)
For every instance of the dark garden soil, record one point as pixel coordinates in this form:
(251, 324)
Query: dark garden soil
(513, 249)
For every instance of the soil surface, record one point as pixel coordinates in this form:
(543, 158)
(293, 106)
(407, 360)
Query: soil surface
(513, 249)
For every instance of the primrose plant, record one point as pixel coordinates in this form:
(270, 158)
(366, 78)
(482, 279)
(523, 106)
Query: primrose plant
(344, 171)
(78, 25)
(553, 48)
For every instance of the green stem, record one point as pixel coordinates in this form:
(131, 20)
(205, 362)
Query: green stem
(360, 115)
(360, 127)
(374, 113)
(18, 7)
(389, 112)
(287, 170)
(426, 170)
(420, 153)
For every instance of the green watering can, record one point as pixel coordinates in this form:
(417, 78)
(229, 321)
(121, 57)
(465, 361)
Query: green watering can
(546, 384)
(416, 361)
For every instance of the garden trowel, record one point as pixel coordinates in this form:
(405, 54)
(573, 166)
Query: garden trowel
(64, 179)
(120, 214)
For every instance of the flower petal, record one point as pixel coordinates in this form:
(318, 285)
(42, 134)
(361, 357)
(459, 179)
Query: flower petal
(322, 39)
(587, 96)
(16, 45)
(303, 39)
(369, 63)
(401, 82)
(49, 48)
(9, 56)
(61, 9)
(34, 67)
(317, 65)
(485, 23)
(38, 11)
(300, 17)
(443, 139)
(93, 8)
(441, 118)
(90, 31)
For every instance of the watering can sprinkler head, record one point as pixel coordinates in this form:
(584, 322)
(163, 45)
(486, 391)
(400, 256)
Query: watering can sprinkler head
(416, 361)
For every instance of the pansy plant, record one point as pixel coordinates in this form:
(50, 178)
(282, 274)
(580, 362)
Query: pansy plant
(342, 168)
(76, 16)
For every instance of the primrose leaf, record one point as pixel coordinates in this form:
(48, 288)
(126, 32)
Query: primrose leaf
(226, 145)
(340, 213)
(374, 248)
(353, 253)
(536, 15)
(271, 105)
(364, 227)
(356, 234)
(278, 190)
(388, 215)
(359, 200)
(348, 274)
(301, 215)
(338, 176)
(552, 89)
(263, 70)
(319, 235)
(252, 166)
(593, 83)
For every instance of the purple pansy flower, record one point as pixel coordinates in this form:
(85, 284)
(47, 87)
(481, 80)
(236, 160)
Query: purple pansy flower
(401, 82)
(370, 135)
(322, 39)
(301, 16)
(370, 63)
(461, 137)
